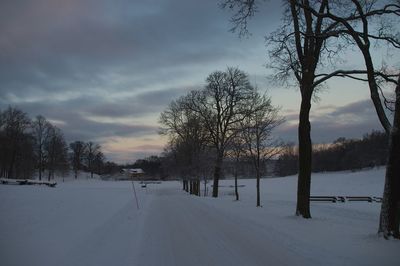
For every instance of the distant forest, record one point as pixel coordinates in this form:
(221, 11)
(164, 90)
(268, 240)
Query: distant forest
(342, 154)
(29, 146)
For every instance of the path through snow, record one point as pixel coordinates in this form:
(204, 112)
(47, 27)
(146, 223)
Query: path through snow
(186, 231)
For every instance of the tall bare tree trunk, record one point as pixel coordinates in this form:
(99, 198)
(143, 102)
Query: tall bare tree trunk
(390, 210)
(198, 187)
(258, 188)
(236, 186)
(305, 152)
(217, 175)
(185, 185)
(205, 186)
(40, 163)
(12, 162)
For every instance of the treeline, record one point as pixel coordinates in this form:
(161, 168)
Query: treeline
(342, 154)
(36, 146)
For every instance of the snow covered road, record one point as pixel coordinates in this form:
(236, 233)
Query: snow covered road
(187, 231)
(97, 223)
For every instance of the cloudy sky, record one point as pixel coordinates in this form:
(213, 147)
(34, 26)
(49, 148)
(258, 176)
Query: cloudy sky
(103, 70)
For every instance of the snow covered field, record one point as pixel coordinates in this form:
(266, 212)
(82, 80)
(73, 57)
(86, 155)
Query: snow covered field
(93, 222)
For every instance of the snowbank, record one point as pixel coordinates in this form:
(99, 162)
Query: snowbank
(93, 222)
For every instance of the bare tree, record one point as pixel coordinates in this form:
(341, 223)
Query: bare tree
(390, 211)
(78, 149)
(309, 36)
(99, 162)
(25, 162)
(220, 107)
(236, 151)
(296, 52)
(27, 145)
(92, 150)
(171, 163)
(188, 141)
(56, 151)
(15, 124)
(41, 131)
(256, 131)
(3, 141)
(356, 20)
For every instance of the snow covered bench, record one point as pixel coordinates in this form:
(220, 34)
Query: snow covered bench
(229, 186)
(27, 182)
(377, 199)
(359, 198)
(345, 198)
(13, 181)
(47, 183)
(324, 198)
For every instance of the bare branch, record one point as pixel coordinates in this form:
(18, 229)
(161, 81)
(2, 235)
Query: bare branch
(245, 10)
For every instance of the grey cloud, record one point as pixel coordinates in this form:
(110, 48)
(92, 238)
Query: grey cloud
(291, 117)
(47, 48)
(76, 125)
(74, 112)
(356, 112)
(80, 128)
(350, 121)
(144, 103)
(161, 96)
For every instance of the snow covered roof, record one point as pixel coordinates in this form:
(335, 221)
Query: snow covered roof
(133, 170)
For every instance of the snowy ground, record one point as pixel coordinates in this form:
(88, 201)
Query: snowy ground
(93, 222)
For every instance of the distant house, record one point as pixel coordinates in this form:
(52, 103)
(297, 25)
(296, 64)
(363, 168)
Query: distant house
(133, 172)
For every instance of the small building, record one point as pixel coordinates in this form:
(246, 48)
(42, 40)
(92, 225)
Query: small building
(133, 172)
